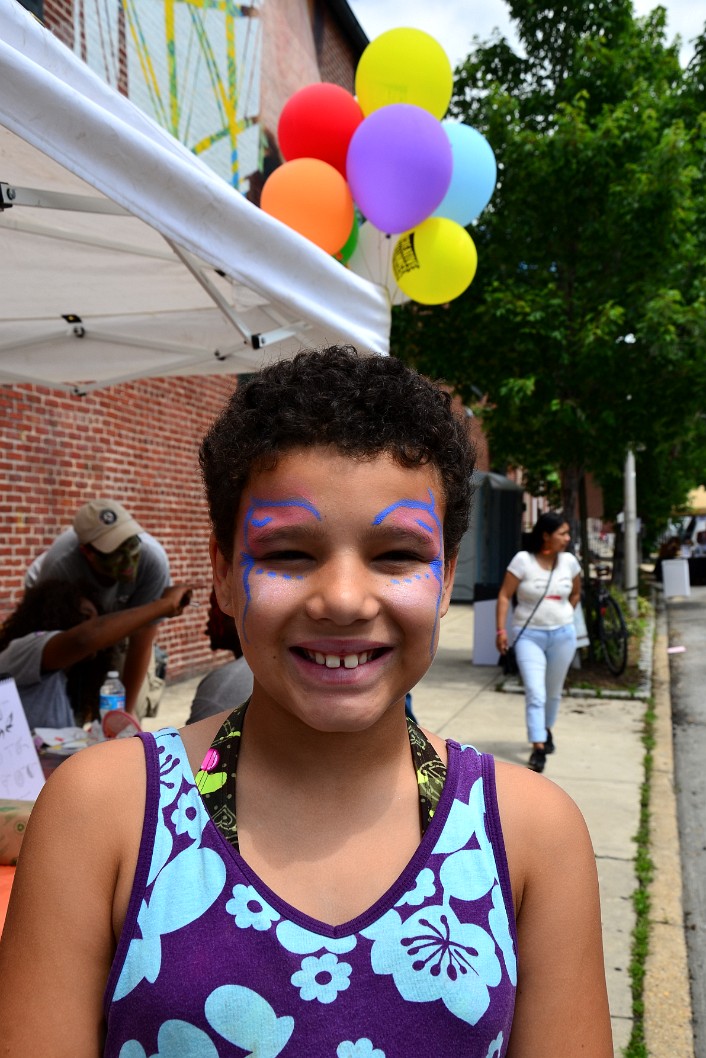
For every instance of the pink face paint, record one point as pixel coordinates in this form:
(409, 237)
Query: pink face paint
(263, 522)
(424, 518)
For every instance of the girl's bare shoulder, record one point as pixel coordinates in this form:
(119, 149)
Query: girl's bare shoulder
(544, 831)
(532, 805)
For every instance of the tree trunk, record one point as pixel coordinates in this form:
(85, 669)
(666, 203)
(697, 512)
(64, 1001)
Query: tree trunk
(583, 518)
(570, 480)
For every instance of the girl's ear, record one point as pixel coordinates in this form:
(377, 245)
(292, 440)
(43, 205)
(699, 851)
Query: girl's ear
(449, 574)
(222, 576)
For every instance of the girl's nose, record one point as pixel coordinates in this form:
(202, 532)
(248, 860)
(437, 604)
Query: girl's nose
(342, 592)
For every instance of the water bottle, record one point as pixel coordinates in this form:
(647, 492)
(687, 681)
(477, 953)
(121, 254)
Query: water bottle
(112, 694)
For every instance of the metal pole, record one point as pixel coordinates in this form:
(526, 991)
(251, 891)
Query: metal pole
(630, 532)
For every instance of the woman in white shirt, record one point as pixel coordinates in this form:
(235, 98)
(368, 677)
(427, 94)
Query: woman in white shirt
(547, 582)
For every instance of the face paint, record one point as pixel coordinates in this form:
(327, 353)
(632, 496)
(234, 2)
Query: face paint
(418, 516)
(263, 521)
(337, 570)
(120, 564)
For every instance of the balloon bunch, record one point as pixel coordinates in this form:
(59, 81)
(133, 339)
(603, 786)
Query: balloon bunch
(386, 156)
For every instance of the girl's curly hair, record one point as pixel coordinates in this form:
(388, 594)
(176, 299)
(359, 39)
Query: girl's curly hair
(361, 405)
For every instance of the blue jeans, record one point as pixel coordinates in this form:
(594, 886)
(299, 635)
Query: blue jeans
(543, 658)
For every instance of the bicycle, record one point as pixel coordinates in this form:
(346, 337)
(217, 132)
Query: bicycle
(607, 629)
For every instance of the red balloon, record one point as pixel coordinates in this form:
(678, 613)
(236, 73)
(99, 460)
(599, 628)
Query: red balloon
(318, 122)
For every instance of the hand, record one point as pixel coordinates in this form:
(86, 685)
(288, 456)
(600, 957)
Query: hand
(501, 642)
(178, 596)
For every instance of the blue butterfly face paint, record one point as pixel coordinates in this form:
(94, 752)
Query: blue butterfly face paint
(416, 517)
(264, 519)
(339, 584)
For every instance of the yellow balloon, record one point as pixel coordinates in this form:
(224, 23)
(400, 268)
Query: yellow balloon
(435, 262)
(404, 66)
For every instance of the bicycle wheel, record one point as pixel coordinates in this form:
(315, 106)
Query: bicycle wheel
(613, 635)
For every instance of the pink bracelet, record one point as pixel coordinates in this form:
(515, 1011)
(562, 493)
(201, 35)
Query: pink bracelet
(502, 632)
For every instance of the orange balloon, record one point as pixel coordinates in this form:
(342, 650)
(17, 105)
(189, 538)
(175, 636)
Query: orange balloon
(313, 198)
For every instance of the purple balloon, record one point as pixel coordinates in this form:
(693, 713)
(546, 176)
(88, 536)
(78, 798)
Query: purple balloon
(399, 166)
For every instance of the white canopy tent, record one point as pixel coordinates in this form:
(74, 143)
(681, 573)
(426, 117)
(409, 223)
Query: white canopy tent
(123, 256)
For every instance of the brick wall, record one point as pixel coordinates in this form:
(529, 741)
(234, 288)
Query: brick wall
(337, 57)
(288, 57)
(59, 18)
(137, 443)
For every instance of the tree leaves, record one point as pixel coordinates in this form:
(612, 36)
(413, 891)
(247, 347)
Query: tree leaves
(585, 325)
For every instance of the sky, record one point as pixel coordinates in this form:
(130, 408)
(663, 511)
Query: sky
(453, 23)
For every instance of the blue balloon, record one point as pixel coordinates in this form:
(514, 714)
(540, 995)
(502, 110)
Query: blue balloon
(473, 175)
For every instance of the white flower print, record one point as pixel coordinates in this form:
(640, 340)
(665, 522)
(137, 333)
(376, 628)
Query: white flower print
(166, 912)
(245, 1018)
(132, 1049)
(464, 821)
(322, 978)
(425, 887)
(174, 1039)
(434, 956)
(249, 910)
(187, 817)
(467, 873)
(302, 941)
(498, 922)
(496, 1047)
(361, 1049)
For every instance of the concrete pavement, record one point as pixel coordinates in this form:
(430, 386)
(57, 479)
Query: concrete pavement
(600, 762)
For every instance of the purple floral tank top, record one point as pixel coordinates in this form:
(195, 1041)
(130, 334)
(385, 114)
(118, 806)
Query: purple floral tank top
(212, 964)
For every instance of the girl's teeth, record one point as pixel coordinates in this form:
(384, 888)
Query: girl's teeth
(334, 661)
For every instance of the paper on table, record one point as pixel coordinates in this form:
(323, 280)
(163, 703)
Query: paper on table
(21, 775)
(55, 737)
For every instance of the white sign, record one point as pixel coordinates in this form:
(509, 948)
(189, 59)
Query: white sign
(675, 577)
(21, 776)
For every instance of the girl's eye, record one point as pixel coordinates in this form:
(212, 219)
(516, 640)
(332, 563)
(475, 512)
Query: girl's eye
(401, 556)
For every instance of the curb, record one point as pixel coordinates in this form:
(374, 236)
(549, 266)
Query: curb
(666, 994)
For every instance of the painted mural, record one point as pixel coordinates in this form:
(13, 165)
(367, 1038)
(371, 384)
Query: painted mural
(193, 65)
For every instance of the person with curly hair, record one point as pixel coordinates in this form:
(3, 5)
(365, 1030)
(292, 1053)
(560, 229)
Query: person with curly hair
(313, 873)
(55, 627)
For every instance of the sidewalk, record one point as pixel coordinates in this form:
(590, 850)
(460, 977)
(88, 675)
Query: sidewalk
(599, 761)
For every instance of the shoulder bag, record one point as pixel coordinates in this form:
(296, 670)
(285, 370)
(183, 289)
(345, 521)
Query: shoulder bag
(508, 660)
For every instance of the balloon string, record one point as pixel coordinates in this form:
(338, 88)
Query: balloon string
(389, 281)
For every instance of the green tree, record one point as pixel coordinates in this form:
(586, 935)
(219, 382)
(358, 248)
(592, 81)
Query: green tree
(585, 324)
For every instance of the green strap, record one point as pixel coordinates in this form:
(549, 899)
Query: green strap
(215, 780)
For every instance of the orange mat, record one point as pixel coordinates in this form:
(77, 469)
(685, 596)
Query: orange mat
(7, 875)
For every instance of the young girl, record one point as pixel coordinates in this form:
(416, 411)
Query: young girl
(313, 874)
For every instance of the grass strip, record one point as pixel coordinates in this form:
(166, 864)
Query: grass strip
(644, 870)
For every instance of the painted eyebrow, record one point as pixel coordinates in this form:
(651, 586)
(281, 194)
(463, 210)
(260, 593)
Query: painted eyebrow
(257, 505)
(424, 514)
(403, 534)
(263, 534)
